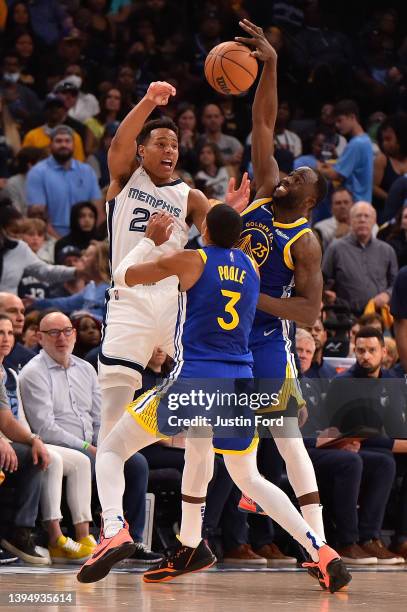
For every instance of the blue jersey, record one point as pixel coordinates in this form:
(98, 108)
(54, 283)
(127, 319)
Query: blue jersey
(220, 308)
(269, 243)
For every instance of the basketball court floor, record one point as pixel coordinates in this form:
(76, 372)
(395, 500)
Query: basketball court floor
(218, 590)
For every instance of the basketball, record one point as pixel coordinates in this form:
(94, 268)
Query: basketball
(230, 69)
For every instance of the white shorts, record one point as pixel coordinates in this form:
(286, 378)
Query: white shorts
(136, 321)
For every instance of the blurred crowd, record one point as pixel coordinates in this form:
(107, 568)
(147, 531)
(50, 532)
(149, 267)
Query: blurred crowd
(70, 71)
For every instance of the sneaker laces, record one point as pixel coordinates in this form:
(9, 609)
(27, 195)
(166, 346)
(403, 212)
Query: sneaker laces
(71, 545)
(142, 547)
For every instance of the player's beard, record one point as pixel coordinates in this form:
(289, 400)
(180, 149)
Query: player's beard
(287, 200)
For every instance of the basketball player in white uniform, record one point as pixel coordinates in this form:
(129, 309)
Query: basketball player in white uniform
(140, 318)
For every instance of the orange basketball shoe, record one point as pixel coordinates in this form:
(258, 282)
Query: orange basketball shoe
(332, 572)
(246, 504)
(108, 552)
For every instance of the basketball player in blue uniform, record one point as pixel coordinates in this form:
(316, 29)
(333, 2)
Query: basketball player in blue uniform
(276, 232)
(218, 293)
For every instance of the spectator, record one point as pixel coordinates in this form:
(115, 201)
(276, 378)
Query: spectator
(10, 142)
(88, 333)
(61, 399)
(59, 182)
(22, 100)
(212, 121)
(399, 311)
(83, 225)
(85, 106)
(334, 143)
(391, 162)
(285, 139)
(29, 335)
(391, 356)
(397, 236)
(55, 115)
(18, 21)
(48, 19)
(212, 171)
(30, 66)
(110, 112)
(34, 233)
(354, 484)
(15, 188)
(377, 402)
(69, 256)
(355, 166)
(17, 259)
(338, 225)
(372, 320)
(98, 160)
(397, 198)
(23, 461)
(314, 153)
(360, 256)
(187, 137)
(319, 368)
(92, 297)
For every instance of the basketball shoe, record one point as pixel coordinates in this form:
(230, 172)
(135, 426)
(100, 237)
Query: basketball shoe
(183, 560)
(246, 504)
(109, 551)
(330, 570)
(67, 550)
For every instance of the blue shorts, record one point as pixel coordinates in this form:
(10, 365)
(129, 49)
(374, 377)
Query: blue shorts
(275, 372)
(205, 395)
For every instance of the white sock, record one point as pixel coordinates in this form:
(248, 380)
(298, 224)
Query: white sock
(243, 471)
(191, 525)
(112, 526)
(312, 514)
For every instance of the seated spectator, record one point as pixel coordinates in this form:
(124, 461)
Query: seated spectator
(88, 333)
(212, 120)
(312, 151)
(22, 100)
(24, 459)
(110, 112)
(185, 119)
(92, 297)
(29, 335)
(390, 356)
(397, 236)
(10, 142)
(98, 159)
(396, 198)
(83, 224)
(371, 320)
(61, 399)
(391, 162)
(59, 182)
(86, 105)
(377, 402)
(354, 484)
(319, 368)
(284, 138)
(55, 114)
(212, 171)
(18, 259)
(15, 189)
(360, 256)
(354, 167)
(334, 143)
(338, 225)
(34, 233)
(69, 256)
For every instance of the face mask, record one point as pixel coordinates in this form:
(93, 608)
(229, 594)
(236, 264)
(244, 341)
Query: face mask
(12, 77)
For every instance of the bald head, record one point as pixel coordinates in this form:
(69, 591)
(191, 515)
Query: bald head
(57, 337)
(362, 221)
(12, 306)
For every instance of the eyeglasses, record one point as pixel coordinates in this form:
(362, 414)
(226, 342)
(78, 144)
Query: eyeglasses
(55, 333)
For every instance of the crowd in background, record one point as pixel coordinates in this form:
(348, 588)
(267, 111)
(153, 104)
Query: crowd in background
(70, 71)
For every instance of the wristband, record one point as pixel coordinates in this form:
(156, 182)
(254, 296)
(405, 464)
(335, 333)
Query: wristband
(136, 256)
(85, 445)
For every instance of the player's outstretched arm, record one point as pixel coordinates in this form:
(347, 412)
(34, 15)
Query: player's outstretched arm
(122, 152)
(187, 265)
(264, 111)
(305, 306)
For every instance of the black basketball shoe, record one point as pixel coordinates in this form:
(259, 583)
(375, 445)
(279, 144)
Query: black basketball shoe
(182, 561)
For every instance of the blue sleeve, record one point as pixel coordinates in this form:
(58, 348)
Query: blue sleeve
(65, 304)
(347, 161)
(35, 188)
(94, 190)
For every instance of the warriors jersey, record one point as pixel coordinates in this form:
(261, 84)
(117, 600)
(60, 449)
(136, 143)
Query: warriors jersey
(269, 243)
(128, 214)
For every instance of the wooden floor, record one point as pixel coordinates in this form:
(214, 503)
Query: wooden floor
(211, 591)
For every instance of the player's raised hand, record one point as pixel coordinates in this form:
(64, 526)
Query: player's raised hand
(238, 198)
(263, 49)
(159, 92)
(159, 228)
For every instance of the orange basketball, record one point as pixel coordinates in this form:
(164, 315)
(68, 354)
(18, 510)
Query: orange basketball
(230, 69)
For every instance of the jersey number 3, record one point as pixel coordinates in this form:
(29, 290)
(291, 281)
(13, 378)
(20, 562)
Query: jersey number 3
(138, 224)
(234, 297)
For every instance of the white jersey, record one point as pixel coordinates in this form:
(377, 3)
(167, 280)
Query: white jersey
(128, 214)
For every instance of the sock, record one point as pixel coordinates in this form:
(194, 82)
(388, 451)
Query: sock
(191, 526)
(312, 514)
(112, 525)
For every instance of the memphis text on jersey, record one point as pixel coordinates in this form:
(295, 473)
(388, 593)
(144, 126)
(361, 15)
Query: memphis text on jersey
(143, 196)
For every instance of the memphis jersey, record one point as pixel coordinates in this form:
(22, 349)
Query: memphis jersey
(269, 243)
(129, 212)
(220, 308)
